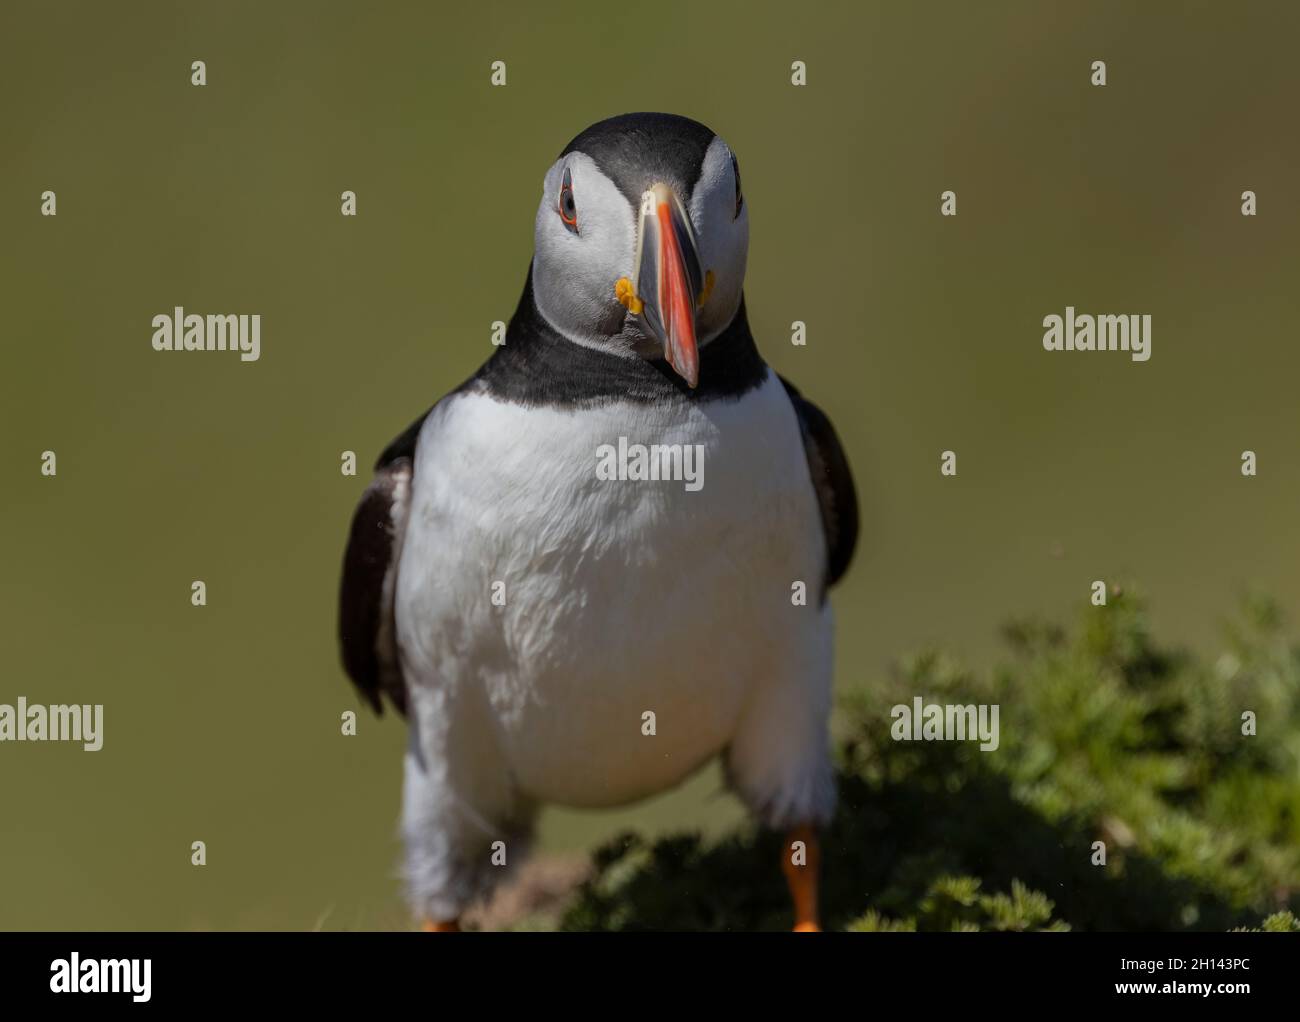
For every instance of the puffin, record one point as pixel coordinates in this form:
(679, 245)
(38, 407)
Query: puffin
(558, 634)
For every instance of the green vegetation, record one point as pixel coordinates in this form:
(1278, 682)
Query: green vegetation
(1105, 736)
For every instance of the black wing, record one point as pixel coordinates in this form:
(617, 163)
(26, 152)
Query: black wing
(833, 482)
(367, 632)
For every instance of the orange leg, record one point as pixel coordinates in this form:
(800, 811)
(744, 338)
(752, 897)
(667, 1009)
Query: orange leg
(443, 926)
(800, 861)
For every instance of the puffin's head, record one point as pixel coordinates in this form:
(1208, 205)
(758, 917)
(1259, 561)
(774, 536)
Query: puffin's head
(641, 239)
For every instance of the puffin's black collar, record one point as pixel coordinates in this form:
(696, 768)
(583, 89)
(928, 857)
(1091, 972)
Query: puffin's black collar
(538, 366)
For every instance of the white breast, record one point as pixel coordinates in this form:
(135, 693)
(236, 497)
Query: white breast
(621, 598)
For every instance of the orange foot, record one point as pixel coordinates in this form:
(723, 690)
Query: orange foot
(442, 926)
(800, 862)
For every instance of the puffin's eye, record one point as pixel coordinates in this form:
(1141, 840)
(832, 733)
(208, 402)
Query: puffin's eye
(568, 208)
(740, 198)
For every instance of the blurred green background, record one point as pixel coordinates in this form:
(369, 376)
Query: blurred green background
(221, 723)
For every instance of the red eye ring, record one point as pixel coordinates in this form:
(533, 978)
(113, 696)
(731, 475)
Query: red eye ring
(567, 206)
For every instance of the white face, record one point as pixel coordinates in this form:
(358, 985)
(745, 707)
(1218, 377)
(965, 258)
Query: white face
(587, 240)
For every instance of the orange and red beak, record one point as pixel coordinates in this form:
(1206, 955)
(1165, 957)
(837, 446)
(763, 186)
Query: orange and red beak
(669, 278)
